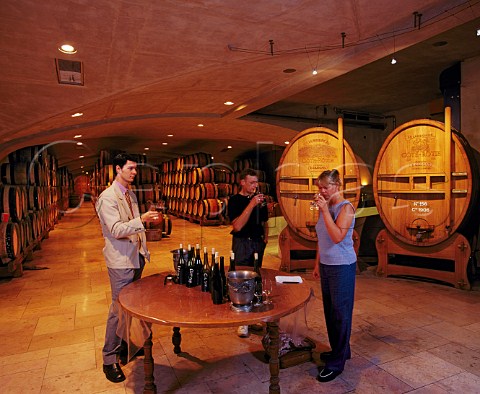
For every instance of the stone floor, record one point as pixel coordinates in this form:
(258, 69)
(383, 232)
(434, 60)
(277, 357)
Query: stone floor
(408, 336)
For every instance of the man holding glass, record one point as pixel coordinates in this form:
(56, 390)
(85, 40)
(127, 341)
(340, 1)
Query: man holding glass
(248, 214)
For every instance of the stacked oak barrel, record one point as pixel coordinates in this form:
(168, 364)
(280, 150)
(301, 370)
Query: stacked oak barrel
(33, 192)
(195, 188)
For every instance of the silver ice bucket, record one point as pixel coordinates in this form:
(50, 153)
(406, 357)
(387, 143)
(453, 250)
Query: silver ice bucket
(241, 287)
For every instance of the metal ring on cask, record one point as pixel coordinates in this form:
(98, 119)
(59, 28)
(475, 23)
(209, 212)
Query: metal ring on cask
(310, 153)
(426, 183)
(9, 241)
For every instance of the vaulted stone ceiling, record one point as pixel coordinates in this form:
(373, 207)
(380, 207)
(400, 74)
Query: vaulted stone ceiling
(153, 68)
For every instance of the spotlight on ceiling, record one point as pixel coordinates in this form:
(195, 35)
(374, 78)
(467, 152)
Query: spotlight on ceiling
(68, 49)
(393, 61)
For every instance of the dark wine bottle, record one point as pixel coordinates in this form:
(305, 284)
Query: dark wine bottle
(198, 267)
(181, 267)
(258, 281)
(217, 285)
(224, 277)
(206, 272)
(232, 261)
(190, 267)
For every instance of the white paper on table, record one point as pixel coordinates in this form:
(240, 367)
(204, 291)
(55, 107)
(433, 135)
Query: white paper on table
(288, 279)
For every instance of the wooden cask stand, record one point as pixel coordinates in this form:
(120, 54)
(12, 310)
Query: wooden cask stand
(456, 248)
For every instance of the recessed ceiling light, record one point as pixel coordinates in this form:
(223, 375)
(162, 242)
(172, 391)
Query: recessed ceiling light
(77, 114)
(146, 148)
(229, 147)
(79, 143)
(478, 32)
(213, 157)
(81, 157)
(240, 107)
(287, 142)
(68, 49)
(169, 135)
(86, 172)
(78, 136)
(314, 72)
(200, 125)
(228, 103)
(81, 166)
(164, 143)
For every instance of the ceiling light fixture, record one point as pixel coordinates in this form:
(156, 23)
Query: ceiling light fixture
(314, 72)
(393, 61)
(164, 143)
(79, 143)
(68, 49)
(228, 103)
(169, 135)
(200, 125)
(478, 32)
(78, 136)
(77, 114)
(287, 142)
(229, 147)
(81, 157)
(146, 148)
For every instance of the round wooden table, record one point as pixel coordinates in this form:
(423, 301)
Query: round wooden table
(152, 301)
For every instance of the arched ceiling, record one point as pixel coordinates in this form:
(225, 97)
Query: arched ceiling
(154, 68)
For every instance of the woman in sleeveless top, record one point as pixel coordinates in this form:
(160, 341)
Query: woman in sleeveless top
(336, 267)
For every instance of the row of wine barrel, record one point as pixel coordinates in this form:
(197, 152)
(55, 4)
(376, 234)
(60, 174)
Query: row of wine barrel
(106, 175)
(18, 201)
(199, 159)
(26, 174)
(198, 175)
(16, 237)
(210, 208)
(207, 190)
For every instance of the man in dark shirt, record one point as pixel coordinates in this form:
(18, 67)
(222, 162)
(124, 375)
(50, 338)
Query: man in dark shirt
(248, 215)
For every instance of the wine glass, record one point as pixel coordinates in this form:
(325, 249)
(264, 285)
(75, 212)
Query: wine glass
(267, 290)
(257, 191)
(313, 203)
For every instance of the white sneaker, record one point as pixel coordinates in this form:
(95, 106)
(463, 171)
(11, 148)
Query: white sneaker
(242, 331)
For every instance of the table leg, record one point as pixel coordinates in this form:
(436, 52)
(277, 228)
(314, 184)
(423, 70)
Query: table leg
(176, 340)
(148, 366)
(274, 363)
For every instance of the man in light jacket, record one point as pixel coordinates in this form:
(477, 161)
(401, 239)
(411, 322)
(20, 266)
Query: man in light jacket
(125, 250)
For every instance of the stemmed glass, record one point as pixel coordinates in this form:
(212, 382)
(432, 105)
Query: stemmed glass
(267, 290)
(313, 203)
(264, 202)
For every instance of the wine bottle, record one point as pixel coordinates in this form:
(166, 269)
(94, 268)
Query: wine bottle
(232, 261)
(190, 267)
(206, 272)
(198, 266)
(224, 277)
(258, 281)
(181, 267)
(217, 285)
